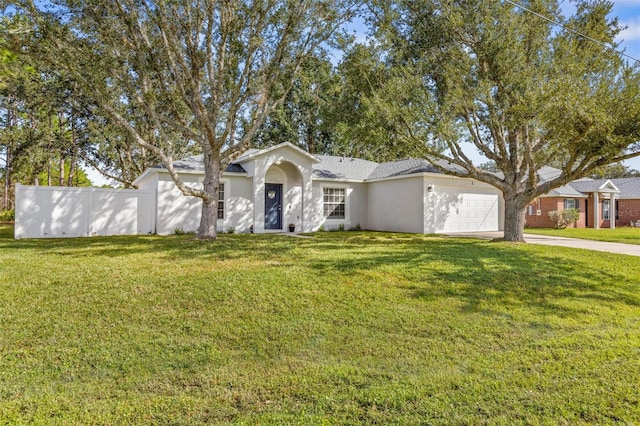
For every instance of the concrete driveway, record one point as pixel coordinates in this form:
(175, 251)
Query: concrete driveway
(629, 249)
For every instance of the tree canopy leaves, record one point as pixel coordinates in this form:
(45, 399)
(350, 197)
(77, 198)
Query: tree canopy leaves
(516, 88)
(203, 72)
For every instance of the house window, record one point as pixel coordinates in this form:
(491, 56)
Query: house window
(333, 201)
(570, 203)
(221, 201)
(530, 210)
(606, 207)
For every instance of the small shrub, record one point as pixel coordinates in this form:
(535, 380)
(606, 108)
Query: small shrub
(181, 231)
(8, 215)
(231, 230)
(321, 229)
(562, 219)
(341, 227)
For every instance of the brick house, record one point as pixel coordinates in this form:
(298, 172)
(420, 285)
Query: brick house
(602, 203)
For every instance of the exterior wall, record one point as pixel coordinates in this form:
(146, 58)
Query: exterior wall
(481, 205)
(147, 181)
(601, 222)
(543, 205)
(53, 212)
(355, 206)
(177, 211)
(624, 215)
(628, 210)
(238, 211)
(298, 167)
(288, 176)
(359, 206)
(396, 205)
(548, 204)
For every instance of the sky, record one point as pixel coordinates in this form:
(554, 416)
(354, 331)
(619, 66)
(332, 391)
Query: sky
(628, 13)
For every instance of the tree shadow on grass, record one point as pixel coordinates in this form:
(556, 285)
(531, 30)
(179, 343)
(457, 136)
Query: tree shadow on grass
(486, 275)
(172, 247)
(480, 274)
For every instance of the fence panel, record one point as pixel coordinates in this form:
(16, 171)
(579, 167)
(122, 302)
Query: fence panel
(54, 212)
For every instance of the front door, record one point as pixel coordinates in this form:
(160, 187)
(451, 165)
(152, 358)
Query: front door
(273, 206)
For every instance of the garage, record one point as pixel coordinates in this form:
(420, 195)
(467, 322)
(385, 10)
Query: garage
(467, 212)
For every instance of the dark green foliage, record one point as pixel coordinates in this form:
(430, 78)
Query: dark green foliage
(523, 92)
(200, 72)
(614, 171)
(304, 117)
(7, 215)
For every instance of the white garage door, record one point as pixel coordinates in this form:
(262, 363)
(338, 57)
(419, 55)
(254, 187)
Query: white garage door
(464, 212)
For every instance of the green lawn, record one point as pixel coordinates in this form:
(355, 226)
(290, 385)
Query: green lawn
(342, 328)
(619, 235)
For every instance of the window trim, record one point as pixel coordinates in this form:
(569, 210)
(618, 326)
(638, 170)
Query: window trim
(222, 202)
(574, 201)
(606, 212)
(343, 203)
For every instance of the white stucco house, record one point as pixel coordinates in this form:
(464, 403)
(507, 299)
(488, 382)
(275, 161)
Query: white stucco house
(266, 190)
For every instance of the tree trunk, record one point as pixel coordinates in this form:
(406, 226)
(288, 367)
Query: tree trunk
(7, 178)
(74, 155)
(514, 214)
(49, 172)
(209, 216)
(62, 142)
(8, 167)
(61, 166)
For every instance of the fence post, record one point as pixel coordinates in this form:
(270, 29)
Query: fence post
(88, 212)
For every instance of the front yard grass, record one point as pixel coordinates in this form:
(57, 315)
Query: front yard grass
(341, 328)
(618, 235)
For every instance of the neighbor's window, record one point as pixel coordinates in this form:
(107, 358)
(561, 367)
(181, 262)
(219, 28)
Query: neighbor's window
(333, 201)
(606, 207)
(530, 210)
(570, 203)
(221, 201)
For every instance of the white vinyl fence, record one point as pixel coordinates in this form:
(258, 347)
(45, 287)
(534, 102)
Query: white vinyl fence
(54, 212)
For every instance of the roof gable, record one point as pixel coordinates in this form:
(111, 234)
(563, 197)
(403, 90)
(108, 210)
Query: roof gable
(608, 186)
(600, 185)
(253, 153)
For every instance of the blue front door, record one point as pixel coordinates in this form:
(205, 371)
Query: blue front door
(273, 206)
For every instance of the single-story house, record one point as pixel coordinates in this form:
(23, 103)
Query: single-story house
(266, 190)
(271, 189)
(602, 203)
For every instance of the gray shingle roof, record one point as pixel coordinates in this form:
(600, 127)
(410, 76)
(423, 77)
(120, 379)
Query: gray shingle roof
(547, 173)
(195, 164)
(348, 168)
(402, 168)
(332, 167)
(566, 191)
(629, 187)
(354, 168)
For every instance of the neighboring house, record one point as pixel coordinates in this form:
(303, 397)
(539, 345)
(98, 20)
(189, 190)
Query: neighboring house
(267, 190)
(602, 203)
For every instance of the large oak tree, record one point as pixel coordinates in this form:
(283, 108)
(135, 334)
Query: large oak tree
(210, 71)
(519, 89)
